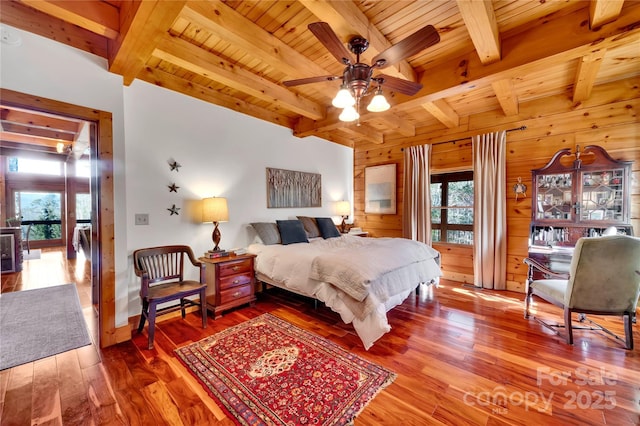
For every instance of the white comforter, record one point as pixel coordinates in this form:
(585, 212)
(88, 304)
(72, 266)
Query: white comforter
(360, 278)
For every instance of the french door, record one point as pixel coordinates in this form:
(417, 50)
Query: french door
(42, 213)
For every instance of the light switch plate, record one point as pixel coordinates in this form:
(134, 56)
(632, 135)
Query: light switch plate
(142, 219)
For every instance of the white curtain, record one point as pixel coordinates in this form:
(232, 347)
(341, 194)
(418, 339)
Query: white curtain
(489, 213)
(416, 210)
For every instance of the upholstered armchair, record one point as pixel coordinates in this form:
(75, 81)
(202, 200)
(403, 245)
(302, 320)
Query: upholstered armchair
(604, 279)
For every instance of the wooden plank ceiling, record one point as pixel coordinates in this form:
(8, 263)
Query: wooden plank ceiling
(492, 55)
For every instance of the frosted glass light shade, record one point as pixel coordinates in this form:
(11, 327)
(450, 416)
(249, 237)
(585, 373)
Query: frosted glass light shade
(349, 114)
(378, 103)
(343, 98)
(215, 209)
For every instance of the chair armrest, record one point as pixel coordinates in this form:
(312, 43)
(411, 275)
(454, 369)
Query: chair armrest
(540, 267)
(203, 268)
(192, 258)
(144, 284)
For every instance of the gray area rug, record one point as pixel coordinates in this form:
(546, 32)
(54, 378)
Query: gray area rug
(39, 323)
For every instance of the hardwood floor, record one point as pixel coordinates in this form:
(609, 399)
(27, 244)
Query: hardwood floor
(462, 355)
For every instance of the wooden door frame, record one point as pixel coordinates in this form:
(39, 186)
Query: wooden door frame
(103, 229)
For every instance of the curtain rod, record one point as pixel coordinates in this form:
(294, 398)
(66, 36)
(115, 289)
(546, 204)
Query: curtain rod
(462, 139)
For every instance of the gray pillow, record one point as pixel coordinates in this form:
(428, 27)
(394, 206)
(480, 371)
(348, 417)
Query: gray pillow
(327, 227)
(268, 232)
(292, 231)
(310, 226)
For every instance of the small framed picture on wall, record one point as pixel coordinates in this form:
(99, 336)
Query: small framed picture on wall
(380, 189)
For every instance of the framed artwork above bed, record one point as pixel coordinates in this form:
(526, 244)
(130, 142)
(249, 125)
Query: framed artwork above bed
(380, 189)
(289, 188)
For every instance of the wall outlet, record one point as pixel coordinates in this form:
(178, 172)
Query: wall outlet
(142, 219)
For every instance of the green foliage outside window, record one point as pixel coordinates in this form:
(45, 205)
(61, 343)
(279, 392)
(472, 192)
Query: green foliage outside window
(452, 208)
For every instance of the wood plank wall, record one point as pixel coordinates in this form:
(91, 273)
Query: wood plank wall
(609, 118)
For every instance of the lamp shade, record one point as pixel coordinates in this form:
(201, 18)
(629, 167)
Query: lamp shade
(215, 209)
(343, 208)
(349, 114)
(378, 103)
(343, 99)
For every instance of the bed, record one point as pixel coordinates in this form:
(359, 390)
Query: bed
(359, 278)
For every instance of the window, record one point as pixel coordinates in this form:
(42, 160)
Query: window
(452, 208)
(43, 210)
(42, 167)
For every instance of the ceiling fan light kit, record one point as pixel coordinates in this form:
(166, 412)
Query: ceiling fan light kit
(379, 102)
(343, 98)
(349, 114)
(357, 77)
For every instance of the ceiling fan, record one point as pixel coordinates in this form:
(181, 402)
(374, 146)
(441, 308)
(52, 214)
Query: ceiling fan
(357, 77)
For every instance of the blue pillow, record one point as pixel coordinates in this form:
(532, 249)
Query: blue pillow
(327, 227)
(292, 231)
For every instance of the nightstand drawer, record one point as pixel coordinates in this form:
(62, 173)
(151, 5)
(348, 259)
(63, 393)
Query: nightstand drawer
(234, 293)
(235, 280)
(236, 267)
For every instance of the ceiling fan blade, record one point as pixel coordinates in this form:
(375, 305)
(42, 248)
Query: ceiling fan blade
(416, 42)
(330, 40)
(400, 85)
(308, 80)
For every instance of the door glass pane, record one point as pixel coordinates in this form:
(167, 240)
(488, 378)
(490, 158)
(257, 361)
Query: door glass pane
(83, 206)
(42, 207)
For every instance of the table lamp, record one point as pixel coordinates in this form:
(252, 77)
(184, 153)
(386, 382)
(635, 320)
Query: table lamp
(214, 209)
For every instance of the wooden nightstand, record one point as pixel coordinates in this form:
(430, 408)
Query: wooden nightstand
(230, 282)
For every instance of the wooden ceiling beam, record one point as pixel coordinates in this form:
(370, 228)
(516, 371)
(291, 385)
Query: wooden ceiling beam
(96, 16)
(526, 52)
(443, 112)
(364, 132)
(40, 120)
(588, 67)
(604, 11)
(523, 53)
(204, 63)
(480, 20)
(507, 96)
(171, 82)
(234, 28)
(40, 132)
(142, 24)
(395, 123)
(28, 139)
(347, 20)
(26, 18)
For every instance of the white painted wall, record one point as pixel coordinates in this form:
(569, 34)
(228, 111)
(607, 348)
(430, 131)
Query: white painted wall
(222, 153)
(42, 67)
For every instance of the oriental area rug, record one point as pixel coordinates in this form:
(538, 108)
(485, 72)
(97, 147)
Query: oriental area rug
(267, 371)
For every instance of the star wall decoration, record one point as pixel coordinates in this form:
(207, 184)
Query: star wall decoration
(173, 187)
(173, 210)
(174, 165)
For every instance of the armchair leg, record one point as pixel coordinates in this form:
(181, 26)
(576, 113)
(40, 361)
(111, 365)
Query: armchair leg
(628, 332)
(568, 327)
(527, 303)
(143, 315)
(182, 305)
(203, 307)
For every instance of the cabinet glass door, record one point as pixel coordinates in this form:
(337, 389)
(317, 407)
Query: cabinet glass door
(554, 196)
(602, 195)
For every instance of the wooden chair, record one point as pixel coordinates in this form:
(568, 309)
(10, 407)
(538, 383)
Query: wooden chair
(604, 279)
(161, 272)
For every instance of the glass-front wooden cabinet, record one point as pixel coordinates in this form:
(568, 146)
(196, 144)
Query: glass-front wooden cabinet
(577, 194)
